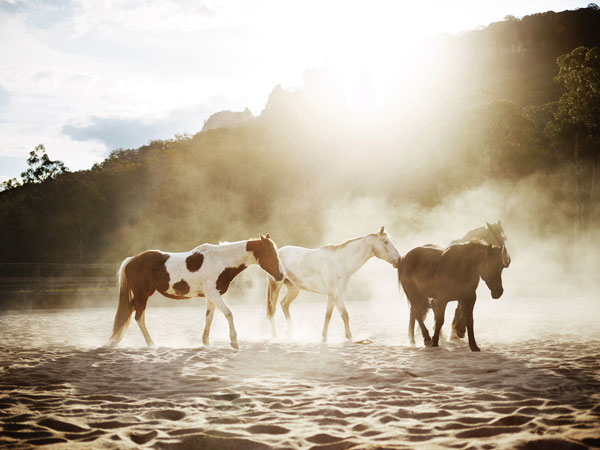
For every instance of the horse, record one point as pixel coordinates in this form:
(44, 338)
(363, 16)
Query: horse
(492, 233)
(447, 275)
(205, 271)
(326, 270)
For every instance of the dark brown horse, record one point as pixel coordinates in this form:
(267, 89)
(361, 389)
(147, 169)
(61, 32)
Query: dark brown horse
(447, 275)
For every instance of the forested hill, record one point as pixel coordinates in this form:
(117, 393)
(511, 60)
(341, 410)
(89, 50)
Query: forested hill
(284, 170)
(516, 58)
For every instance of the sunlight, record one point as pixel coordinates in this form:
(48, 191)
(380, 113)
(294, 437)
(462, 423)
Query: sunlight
(368, 50)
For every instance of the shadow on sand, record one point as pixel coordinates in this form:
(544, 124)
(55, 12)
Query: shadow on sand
(540, 394)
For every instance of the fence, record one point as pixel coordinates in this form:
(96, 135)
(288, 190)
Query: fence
(47, 278)
(51, 285)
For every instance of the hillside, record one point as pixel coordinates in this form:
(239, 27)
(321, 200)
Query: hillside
(283, 171)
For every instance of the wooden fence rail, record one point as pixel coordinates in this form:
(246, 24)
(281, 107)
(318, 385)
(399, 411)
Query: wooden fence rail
(53, 278)
(40, 278)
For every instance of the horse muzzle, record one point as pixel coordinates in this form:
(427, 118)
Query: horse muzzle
(497, 294)
(279, 277)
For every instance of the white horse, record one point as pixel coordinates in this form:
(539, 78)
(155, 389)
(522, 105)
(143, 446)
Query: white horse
(205, 271)
(326, 270)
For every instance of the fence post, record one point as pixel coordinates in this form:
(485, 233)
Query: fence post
(37, 278)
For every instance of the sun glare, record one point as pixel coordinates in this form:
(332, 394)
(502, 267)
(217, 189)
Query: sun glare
(366, 48)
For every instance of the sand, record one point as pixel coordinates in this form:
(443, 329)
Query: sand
(535, 385)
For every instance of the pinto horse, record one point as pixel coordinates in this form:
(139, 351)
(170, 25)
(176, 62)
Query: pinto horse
(326, 270)
(447, 275)
(205, 271)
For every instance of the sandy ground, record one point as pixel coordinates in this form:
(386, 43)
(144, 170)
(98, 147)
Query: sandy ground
(536, 383)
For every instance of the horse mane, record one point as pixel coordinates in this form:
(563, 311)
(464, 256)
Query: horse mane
(343, 244)
(472, 245)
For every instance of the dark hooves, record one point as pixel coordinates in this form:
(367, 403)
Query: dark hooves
(427, 343)
(475, 349)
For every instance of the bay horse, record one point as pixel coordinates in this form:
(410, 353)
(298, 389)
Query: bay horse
(492, 233)
(205, 271)
(326, 270)
(447, 275)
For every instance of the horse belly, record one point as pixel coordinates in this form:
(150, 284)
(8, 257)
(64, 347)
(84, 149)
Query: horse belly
(182, 282)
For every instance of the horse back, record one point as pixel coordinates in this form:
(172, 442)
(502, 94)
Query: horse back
(440, 273)
(417, 270)
(476, 233)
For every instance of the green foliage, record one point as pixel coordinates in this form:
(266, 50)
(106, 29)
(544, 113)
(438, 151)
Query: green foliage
(281, 172)
(9, 184)
(41, 168)
(578, 109)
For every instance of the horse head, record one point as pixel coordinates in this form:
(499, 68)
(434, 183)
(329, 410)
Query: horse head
(265, 252)
(383, 248)
(491, 268)
(496, 236)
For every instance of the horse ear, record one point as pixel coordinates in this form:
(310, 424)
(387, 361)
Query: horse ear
(381, 230)
(262, 238)
(268, 236)
(487, 225)
(499, 223)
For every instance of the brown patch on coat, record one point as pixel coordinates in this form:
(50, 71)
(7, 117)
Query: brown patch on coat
(227, 276)
(181, 288)
(145, 274)
(194, 261)
(265, 252)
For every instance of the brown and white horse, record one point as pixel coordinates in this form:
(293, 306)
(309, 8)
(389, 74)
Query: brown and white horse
(205, 271)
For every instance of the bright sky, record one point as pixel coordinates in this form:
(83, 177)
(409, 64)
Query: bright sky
(84, 77)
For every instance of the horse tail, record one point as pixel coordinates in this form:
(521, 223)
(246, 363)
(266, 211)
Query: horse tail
(125, 307)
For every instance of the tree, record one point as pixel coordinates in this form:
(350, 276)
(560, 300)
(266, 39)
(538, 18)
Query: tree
(41, 167)
(9, 184)
(576, 121)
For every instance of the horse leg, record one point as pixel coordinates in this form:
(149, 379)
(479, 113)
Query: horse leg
(214, 297)
(440, 312)
(468, 312)
(341, 307)
(411, 327)
(424, 330)
(210, 312)
(458, 324)
(418, 310)
(272, 296)
(140, 318)
(290, 296)
(328, 312)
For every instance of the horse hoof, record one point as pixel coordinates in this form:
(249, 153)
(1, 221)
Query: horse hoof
(235, 345)
(475, 349)
(427, 343)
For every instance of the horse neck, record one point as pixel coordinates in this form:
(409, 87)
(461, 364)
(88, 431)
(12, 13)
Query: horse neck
(354, 254)
(470, 253)
(476, 254)
(235, 254)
